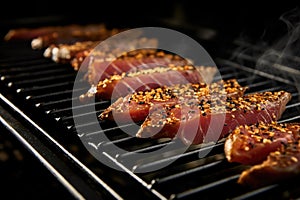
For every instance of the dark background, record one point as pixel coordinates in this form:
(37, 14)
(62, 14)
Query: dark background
(229, 20)
(228, 17)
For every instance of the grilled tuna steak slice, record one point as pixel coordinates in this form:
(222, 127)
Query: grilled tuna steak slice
(135, 107)
(127, 83)
(252, 144)
(103, 65)
(191, 119)
(279, 166)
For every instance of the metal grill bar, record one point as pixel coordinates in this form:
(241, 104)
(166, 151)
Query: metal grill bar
(149, 163)
(42, 81)
(17, 66)
(254, 194)
(191, 192)
(171, 177)
(45, 88)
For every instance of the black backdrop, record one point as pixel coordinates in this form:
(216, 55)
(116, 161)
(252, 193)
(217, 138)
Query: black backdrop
(229, 19)
(211, 13)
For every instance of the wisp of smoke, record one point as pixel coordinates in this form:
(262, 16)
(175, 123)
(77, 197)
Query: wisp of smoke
(282, 58)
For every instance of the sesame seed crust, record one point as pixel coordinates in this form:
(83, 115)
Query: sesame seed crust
(280, 165)
(252, 144)
(280, 145)
(236, 110)
(174, 96)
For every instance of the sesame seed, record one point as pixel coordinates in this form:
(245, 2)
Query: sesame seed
(266, 141)
(294, 159)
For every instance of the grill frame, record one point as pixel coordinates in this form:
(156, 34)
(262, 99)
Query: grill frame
(22, 104)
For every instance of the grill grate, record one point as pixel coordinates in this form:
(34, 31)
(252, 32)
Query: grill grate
(44, 91)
